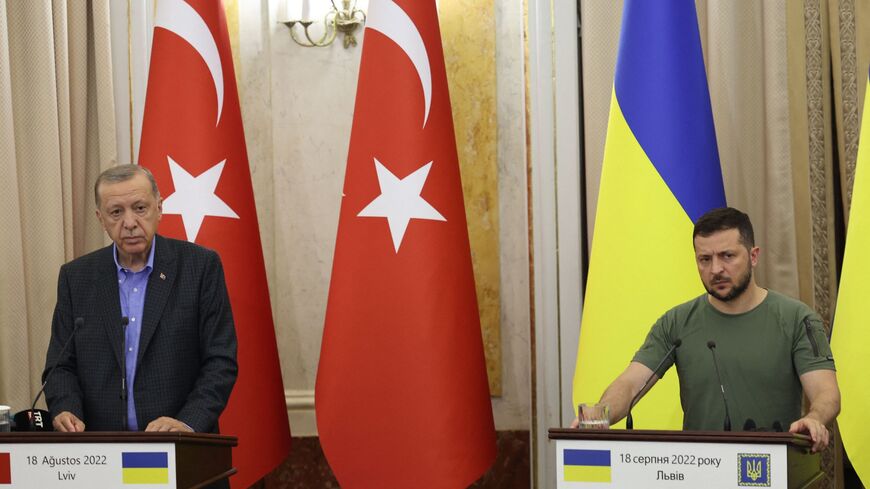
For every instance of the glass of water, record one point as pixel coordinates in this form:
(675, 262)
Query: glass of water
(594, 416)
(5, 420)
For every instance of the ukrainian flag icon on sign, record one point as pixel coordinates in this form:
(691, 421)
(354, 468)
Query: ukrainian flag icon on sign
(753, 469)
(586, 465)
(145, 467)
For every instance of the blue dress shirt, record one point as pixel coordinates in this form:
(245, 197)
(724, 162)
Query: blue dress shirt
(131, 288)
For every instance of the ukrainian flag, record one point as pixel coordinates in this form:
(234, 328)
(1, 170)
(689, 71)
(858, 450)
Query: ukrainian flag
(850, 334)
(660, 173)
(145, 467)
(586, 465)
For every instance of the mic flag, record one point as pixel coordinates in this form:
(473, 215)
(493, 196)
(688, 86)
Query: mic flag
(660, 173)
(194, 143)
(402, 398)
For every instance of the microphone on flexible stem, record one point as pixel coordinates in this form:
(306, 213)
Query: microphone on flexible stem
(124, 322)
(712, 346)
(629, 421)
(35, 419)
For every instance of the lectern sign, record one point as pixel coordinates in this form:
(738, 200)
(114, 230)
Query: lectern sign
(593, 464)
(42, 465)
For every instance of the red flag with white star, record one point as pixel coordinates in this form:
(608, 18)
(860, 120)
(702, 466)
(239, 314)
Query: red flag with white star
(194, 143)
(402, 398)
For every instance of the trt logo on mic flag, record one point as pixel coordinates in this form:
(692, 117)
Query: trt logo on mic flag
(402, 398)
(194, 143)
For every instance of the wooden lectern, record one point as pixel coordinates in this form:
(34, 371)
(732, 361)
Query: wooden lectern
(114, 459)
(650, 459)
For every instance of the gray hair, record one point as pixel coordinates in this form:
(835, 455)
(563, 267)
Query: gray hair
(122, 173)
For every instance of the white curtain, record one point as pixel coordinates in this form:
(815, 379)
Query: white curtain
(57, 131)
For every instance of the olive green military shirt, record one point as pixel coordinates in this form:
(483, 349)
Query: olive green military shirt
(761, 354)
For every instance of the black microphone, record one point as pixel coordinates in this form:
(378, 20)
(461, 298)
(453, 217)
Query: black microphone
(629, 421)
(712, 346)
(124, 322)
(749, 425)
(35, 419)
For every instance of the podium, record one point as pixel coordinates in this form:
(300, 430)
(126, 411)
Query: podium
(114, 459)
(650, 459)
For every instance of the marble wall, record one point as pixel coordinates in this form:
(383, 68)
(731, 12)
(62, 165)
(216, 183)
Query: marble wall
(297, 107)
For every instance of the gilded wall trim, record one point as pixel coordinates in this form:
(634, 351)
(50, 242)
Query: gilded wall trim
(815, 76)
(849, 95)
(818, 174)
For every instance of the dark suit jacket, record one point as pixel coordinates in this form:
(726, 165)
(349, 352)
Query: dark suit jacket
(186, 366)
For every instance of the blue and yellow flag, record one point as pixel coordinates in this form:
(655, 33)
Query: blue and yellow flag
(851, 334)
(145, 467)
(586, 465)
(661, 172)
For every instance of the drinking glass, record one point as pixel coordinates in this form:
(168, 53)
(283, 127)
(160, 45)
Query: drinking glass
(594, 416)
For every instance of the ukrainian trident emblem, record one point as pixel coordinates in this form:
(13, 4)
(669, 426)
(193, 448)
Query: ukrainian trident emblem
(753, 469)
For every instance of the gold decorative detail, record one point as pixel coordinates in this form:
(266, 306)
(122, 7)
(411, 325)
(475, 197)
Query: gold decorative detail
(345, 20)
(818, 171)
(231, 10)
(753, 470)
(815, 76)
(849, 94)
(468, 33)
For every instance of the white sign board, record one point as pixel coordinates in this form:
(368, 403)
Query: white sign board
(600, 464)
(87, 465)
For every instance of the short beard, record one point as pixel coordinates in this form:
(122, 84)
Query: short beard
(735, 291)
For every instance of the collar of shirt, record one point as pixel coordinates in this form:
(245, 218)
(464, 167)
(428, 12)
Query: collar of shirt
(149, 265)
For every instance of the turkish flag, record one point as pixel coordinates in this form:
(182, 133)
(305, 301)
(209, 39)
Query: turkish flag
(194, 143)
(402, 398)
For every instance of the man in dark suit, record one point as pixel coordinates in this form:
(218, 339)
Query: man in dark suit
(156, 349)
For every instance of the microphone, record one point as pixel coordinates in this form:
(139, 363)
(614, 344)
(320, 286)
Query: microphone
(629, 421)
(124, 322)
(749, 425)
(712, 346)
(35, 419)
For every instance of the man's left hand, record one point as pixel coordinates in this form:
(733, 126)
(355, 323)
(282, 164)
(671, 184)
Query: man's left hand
(815, 429)
(165, 423)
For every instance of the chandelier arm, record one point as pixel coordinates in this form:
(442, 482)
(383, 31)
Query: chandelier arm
(296, 39)
(328, 34)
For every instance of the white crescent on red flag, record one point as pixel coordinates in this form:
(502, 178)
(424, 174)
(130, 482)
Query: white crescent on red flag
(194, 143)
(402, 398)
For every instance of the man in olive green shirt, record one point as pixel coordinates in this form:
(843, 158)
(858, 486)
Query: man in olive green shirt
(770, 348)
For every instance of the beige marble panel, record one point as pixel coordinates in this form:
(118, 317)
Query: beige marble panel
(297, 106)
(468, 36)
(312, 99)
(512, 409)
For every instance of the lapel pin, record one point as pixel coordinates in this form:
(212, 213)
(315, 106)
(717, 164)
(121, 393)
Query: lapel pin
(162, 276)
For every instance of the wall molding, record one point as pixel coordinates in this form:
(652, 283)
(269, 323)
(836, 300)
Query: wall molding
(555, 156)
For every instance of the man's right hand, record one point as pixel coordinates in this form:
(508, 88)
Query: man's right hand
(67, 422)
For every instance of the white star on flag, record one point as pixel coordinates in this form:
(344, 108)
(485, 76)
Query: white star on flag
(194, 197)
(400, 201)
